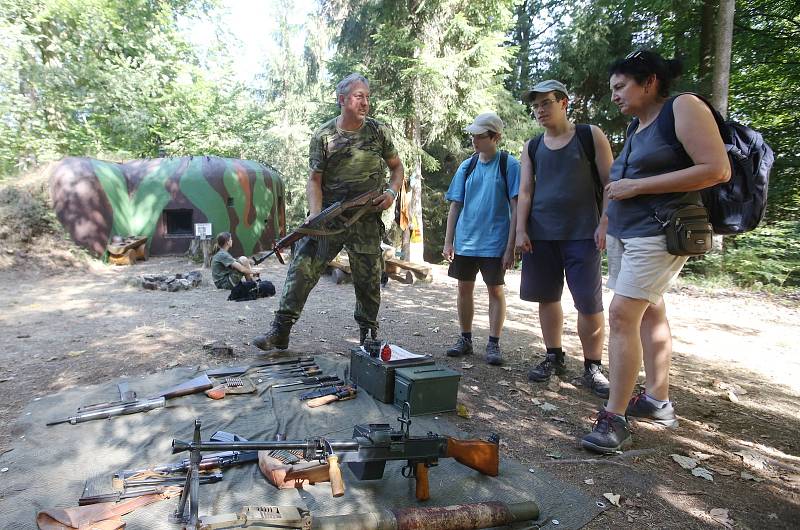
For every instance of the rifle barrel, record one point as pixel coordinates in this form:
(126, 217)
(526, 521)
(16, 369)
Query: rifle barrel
(310, 445)
(141, 405)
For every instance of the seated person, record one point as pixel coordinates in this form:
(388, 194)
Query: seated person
(236, 275)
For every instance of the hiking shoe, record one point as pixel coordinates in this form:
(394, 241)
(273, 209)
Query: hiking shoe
(553, 363)
(277, 337)
(595, 380)
(641, 408)
(493, 354)
(363, 332)
(462, 347)
(610, 433)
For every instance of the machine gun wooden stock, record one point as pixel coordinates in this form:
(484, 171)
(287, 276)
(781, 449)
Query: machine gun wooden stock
(319, 224)
(365, 454)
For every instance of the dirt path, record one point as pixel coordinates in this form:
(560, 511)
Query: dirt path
(735, 378)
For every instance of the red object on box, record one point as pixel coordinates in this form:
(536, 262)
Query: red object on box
(386, 353)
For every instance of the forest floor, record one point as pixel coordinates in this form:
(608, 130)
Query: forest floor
(735, 375)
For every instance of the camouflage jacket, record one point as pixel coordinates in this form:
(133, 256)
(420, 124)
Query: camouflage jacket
(351, 162)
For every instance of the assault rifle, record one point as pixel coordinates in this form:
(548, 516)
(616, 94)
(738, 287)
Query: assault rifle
(212, 462)
(319, 224)
(128, 404)
(366, 455)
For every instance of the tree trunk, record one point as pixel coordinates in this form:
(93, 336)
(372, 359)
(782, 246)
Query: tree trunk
(722, 55)
(415, 236)
(705, 57)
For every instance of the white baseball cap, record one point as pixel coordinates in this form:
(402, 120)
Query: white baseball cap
(488, 121)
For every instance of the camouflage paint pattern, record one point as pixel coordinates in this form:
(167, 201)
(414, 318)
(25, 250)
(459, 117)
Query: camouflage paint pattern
(314, 253)
(96, 200)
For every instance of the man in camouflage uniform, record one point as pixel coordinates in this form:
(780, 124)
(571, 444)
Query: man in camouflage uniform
(348, 156)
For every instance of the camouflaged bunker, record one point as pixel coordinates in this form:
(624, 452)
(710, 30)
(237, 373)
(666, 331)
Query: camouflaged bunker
(164, 198)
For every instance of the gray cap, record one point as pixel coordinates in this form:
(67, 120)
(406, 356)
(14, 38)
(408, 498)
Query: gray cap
(488, 121)
(551, 85)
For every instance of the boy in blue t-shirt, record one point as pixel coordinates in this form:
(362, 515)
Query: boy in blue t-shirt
(480, 231)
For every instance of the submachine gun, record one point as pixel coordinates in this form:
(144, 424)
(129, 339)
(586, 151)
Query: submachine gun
(365, 454)
(319, 224)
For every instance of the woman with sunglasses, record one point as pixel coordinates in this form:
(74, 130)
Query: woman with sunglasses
(648, 180)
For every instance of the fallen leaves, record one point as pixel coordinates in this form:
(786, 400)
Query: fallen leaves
(462, 411)
(690, 463)
(613, 498)
(720, 515)
(703, 473)
(684, 461)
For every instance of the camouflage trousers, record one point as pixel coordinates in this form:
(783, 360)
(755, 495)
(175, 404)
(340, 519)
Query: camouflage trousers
(362, 241)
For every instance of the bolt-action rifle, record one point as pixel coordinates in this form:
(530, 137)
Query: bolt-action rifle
(366, 455)
(128, 404)
(318, 225)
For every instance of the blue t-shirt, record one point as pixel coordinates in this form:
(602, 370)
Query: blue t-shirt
(482, 227)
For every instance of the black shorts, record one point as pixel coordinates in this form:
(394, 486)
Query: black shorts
(465, 268)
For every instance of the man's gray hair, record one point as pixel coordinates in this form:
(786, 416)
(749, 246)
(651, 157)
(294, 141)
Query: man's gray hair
(343, 88)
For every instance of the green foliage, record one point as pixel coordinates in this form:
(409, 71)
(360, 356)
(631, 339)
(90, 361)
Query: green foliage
(91, 76)
(24, 215)
(767, 256)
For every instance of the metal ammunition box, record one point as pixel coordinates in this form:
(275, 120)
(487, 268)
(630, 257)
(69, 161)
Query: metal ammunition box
(376, 377)
(427, 389)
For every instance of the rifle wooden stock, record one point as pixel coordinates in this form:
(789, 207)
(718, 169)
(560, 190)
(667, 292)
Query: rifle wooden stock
(423, 490)
(480, 455)
(335, 476)
(315, 224)
(192, 386)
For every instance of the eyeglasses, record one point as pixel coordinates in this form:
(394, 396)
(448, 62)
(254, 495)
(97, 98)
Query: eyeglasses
(637, 54)
(542, 104)
(481, 136)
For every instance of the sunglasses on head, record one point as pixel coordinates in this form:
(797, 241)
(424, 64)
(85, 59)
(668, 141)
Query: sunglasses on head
(638, 54)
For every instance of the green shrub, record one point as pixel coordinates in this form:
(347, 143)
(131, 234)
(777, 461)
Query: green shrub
(23, 215)
(767, 256)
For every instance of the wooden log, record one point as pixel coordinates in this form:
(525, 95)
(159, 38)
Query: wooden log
(407, 277)
(421, 272)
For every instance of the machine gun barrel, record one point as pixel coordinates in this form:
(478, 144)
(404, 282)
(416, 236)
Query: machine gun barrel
(313, 447)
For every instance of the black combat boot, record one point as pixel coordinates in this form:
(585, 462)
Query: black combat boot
(363, 332)
(278, 335)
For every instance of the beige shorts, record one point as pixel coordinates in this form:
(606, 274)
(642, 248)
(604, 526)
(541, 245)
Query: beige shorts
(641, 267)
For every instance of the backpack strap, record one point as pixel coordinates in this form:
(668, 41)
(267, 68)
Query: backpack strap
(533, 146)
(473, 163)
(586, 141)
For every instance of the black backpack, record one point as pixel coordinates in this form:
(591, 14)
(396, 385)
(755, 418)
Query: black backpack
(586, 141)
(738, 205)
(473, 162)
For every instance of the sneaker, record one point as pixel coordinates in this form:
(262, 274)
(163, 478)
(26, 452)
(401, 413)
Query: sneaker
(277, 337)
(493, 354)
(553, 363)
(610, 433)
(595, 380)
(643, 409)
(462, 347)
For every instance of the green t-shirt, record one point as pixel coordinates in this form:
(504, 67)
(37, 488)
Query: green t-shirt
(351, 162)
(222, 274)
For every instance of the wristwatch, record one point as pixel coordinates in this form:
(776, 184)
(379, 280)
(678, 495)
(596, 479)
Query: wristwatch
(390, 190)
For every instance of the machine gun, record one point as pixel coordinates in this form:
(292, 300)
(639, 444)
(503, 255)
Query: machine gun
(366, 455)
(318, 225)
